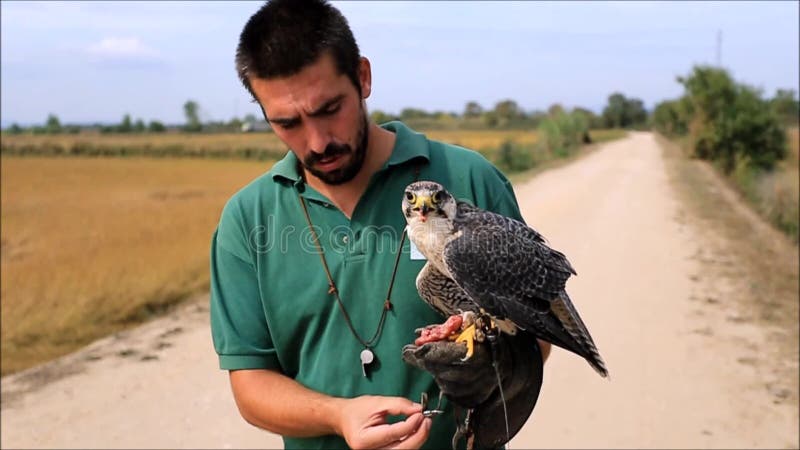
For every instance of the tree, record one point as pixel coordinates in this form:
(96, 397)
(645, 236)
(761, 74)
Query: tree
(635, 112)
(413, 113)
(15, 129)
(156, 127)
(622, 112)
(507, 111)
(192, 110)
(555, 109)
(139, 126)
(593, 121)
(379, 116)
(125, 126)
(234, 124)
(614, 112)
(489, 119)
(472, 110)
(670, 118)
(53, 125)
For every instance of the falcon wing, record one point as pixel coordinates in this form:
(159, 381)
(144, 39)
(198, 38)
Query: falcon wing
(506, 268)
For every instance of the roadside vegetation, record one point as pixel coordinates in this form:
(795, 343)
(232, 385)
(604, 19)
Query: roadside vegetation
(752, 140)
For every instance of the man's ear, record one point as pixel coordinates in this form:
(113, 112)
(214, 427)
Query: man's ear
(365, 77)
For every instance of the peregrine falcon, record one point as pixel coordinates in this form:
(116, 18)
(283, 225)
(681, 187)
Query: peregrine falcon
(482, 262)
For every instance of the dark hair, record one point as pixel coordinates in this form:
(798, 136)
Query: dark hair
(285, 36)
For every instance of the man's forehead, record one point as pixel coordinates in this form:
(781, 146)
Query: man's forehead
(306, 90)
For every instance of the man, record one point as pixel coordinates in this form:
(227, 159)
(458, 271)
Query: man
(303, 255)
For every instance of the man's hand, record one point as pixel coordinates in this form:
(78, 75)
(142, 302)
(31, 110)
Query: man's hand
(275, 402)
(363, 423)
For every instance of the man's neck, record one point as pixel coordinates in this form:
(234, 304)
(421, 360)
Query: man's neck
(345, 196)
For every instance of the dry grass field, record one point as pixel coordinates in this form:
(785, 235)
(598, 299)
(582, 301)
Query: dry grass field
(246, 145)
(490, 140)
(233, 145)
(90, 246)
(264, 146)
(220, 145)
(482, 139)
(188, 140)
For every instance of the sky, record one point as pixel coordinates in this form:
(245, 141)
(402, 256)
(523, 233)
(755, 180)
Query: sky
(96, 61)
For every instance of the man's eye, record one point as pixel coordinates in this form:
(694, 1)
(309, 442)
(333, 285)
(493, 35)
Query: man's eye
(332, 110)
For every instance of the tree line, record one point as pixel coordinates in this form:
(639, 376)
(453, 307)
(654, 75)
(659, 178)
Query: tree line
(620, 112)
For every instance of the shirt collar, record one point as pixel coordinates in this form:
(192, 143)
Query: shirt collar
(408, 145)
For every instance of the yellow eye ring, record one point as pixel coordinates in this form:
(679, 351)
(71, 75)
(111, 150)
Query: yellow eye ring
(410, 197)
(437, 197)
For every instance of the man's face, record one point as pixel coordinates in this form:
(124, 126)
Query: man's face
(320, 116)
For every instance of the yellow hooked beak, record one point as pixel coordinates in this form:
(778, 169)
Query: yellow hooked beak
(424, 205)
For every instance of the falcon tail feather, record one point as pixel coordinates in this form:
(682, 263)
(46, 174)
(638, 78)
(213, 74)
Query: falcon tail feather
(563, 327)
(580, 333)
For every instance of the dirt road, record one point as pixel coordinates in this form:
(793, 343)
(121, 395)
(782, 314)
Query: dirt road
(681, 368)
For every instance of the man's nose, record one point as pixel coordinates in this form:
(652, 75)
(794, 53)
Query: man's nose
(318, 138)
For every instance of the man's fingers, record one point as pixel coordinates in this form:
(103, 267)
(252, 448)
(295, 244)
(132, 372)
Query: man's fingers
(399, 430)
(386, 435)
(417, 438)
(400, 406)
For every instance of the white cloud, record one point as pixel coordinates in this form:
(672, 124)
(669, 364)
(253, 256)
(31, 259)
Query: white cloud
(121, 48)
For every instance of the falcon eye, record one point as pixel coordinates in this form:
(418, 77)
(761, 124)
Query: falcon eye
(409, 196)
(437, 197)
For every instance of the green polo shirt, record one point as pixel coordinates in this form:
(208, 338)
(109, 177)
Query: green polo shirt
(270, 307)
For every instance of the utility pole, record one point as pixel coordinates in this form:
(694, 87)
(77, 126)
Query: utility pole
(719, 48)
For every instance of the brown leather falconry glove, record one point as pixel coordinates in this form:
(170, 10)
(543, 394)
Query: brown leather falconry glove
(472, 384)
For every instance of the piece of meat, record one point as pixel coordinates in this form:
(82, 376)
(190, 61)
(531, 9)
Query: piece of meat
(440, 332)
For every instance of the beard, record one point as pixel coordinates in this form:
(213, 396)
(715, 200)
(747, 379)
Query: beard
(350, 169)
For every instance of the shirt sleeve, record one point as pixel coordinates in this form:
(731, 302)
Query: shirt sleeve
(239, 327)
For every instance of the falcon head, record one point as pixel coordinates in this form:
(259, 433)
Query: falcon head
(425, 200)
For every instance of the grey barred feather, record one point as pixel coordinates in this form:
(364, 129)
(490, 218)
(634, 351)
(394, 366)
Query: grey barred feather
(442, 293)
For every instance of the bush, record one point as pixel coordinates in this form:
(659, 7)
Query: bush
(670, 118)
(729, 119)
(561, 133)
(511, 157)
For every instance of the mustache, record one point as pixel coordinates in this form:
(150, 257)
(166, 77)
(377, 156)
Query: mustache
(331, 150)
